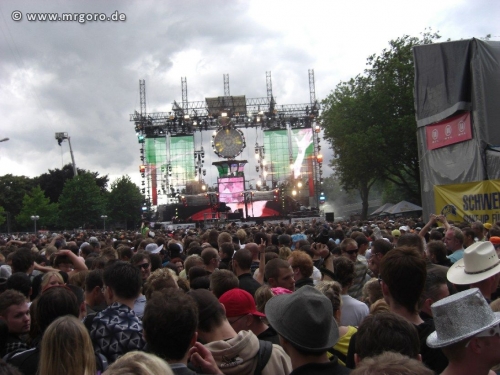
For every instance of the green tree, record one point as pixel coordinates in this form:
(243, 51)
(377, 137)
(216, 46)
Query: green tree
(393, 76)
(52, 183)
(3, 217)
(81, 202)
(348, 126)
(124, 202)
(12, 191)
(35, 203)
(370, 122)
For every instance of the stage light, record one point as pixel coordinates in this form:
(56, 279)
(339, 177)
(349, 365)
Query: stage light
(223, 114)
(186, 117)
(294, 192)
(317, 129)
(142, 168)
(299, 184)
(320, 158)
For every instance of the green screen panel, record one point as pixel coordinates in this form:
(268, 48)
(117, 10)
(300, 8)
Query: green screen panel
(182, 159)
(303, 151)
(277, 152)
(276, 149)
(156, 151)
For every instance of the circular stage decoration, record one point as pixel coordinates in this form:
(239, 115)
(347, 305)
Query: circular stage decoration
(228, 143)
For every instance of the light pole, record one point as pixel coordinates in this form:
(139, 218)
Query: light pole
(35, 218)
(104, 217)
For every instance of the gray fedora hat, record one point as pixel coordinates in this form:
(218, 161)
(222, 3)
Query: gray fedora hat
(460, 316)
(305, 318)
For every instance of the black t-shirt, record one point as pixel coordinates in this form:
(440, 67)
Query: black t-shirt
(432, 357)
(329, 368)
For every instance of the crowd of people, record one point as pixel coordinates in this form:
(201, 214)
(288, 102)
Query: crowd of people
(362, 298)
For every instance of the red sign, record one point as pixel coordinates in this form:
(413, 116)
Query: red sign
(453, 130)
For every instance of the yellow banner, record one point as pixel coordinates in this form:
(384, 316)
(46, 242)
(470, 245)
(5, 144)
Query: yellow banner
(469, 202)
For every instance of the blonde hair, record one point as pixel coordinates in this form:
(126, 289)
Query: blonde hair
(262, 295)
(78, 279)
(139, 363)
(66, 349)
(284, 252)
(372, 291)
(162, 278)
(332, 290)
(379, 306)
(47, 276)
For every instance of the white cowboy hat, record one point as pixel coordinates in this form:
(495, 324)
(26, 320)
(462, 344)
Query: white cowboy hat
(480, 261)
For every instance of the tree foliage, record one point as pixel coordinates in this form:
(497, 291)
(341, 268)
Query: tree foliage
(52, 183)
(3, 217)
(370, 121)
(81, 202)
(12, 192)
(124, 201)
(348, 128)
(35, 203)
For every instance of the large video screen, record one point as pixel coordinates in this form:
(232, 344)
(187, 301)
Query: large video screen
(231, 189)
(277, 148)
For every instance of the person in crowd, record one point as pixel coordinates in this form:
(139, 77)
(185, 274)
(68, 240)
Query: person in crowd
(66, 349)
(479, 231)
(170, 323)
(242, 314)
(386, 332)
(402, 277)
(15, 312)
(469, 236)
(479, 268)
(379, 248)
(352, 311)
(162, 278)
(435, 289)
(349, 249)
(307, 330)
(139, 363)
(55, 302)
(235, 353)
(94, 296)
(254, 249)
(333, 291)
(226, 252)
(223, 280)
(302, 266)
(279, 273)
(390, 363)
(454, 241)
(436, 253)
(21, 282)
(471, 342)
(211, 259)
(242, 262)
(122, 285)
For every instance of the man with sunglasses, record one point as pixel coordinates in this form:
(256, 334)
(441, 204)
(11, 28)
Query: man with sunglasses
(349, 249)
(143, 262)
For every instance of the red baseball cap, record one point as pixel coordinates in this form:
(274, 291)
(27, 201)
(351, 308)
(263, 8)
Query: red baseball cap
(495, 240)
(239, 302)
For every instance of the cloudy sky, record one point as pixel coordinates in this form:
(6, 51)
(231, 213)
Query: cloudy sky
(83, 78)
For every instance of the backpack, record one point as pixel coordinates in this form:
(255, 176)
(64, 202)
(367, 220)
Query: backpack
(265, 350)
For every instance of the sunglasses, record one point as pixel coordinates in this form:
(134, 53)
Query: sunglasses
(351, 252)
(144, 266)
